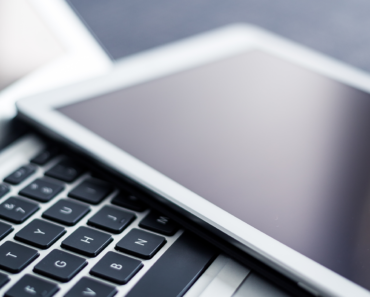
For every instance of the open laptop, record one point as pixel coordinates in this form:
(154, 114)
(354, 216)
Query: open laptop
(25, 157)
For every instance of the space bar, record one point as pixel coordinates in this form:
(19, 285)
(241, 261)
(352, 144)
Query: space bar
(177, 269)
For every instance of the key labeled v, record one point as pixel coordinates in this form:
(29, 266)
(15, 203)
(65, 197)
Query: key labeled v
(88, 292)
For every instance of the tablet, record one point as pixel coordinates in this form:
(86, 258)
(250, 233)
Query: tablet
(263, 140)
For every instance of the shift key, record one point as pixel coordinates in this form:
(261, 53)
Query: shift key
(177, 269)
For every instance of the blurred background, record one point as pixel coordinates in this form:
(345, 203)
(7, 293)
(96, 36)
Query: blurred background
(25, 42)
(339, 28)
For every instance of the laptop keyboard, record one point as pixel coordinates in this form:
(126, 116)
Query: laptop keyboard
(65, 232)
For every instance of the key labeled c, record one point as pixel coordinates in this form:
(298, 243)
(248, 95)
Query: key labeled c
(60, 264)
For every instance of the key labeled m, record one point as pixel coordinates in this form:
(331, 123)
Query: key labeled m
(141, 241)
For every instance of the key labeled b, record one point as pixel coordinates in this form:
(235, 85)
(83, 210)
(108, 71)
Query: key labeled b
(116, 268)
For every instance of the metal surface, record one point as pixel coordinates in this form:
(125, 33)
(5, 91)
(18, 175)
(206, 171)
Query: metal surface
(256, 286)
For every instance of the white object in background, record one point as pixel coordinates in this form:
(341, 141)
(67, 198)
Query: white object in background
(83, 58)
(26, 42)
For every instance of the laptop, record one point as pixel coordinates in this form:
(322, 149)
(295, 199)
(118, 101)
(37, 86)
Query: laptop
(27, 157)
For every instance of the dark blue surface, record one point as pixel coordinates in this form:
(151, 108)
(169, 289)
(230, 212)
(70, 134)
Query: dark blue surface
(339, 28)
(10, 131)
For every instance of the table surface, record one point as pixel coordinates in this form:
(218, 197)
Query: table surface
(339, 28)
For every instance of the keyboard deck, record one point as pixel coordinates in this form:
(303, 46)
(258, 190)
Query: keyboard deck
(65, 232)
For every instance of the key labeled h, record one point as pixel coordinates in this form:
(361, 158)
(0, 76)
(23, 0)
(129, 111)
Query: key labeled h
(87, 239)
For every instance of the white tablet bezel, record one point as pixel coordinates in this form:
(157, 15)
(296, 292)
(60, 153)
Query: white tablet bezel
(179, 56)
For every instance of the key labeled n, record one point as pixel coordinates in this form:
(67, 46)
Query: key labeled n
(163, 220)
(141, 241)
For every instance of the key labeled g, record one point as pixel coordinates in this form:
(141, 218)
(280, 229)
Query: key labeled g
(60, 264)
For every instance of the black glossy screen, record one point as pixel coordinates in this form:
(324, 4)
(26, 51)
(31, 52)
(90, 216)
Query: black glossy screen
(278, 146)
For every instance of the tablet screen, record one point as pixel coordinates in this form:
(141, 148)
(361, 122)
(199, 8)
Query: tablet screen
(278, 146)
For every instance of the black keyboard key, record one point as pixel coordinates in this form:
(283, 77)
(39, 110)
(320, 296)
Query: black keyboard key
(60, 265)
(5, 229)
(4, 189)
(116, 268)
(177, 269)
(66, 212)
(40, 234)
(3, 279)
(159, 223)
(141, 243)
(15, 257)
(87, 241)
(66, 170)
(20, 174)
(45, 156)
(111, 219)
(128, 200)
(42, 190)
(89, 287)
(91, 190)
(30, 285)
(17, 210)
